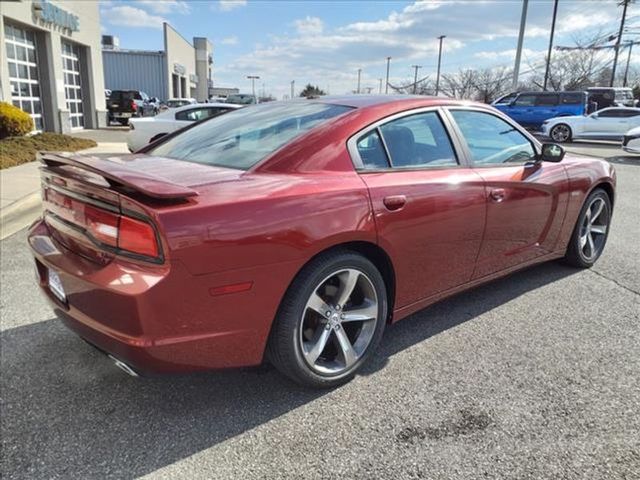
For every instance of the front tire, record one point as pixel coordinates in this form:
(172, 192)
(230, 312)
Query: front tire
(330, 320)
(561, 133)
(591, 231)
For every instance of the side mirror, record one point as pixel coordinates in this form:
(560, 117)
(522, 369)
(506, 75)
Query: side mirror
(594, 115)
(552, 153)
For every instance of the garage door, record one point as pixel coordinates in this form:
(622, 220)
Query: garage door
(72, 88)
(23, 72)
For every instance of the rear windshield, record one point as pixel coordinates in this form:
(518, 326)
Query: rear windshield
(125, 95)
(243, 137)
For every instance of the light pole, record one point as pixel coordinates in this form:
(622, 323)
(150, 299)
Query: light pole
(441, 37)
(626, 70)
(358, 89)
(615, 59)
(386, 88)
(553, 28)
(415, 77)
(293, 84)
(253, 79)
(523, 22)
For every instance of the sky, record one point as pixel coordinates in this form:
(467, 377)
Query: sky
(325, 42)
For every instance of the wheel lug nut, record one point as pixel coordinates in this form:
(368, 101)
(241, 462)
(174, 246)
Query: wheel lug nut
(337, 307)
(342, 316)
(328, 313)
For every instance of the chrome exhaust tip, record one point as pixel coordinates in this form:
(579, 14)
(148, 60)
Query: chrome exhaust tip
(123, 366)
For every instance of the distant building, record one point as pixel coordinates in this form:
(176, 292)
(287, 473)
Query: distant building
(181, 70)
(51, 65)
(222, 91)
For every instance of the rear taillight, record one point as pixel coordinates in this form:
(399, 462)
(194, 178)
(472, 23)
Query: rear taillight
(125, 234)
(102, 225)
(138, 237)
(134, 105)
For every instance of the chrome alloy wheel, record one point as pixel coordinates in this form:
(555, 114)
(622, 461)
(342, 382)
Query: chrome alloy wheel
(338, 322)
(593, 231)
(560, 133)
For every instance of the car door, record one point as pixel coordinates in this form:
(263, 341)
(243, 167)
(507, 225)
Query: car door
(429, 207)
(526, 200)
(523, 109)
(546, 107)
(607, 123)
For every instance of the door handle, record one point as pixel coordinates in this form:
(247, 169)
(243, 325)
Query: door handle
(497, 194)
(394, 202)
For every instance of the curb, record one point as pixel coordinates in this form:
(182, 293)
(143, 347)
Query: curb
(20, 214)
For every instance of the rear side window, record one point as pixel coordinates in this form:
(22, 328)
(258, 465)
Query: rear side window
(547, 100)
(572, 98)
(242, 138)
(612, 113)
(418, 140)
(372, 152)
(491, 140)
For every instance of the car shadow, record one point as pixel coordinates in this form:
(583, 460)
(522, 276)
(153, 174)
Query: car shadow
(67, 412)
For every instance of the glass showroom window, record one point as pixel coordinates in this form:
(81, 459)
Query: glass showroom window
(72, 88)
(23, 72)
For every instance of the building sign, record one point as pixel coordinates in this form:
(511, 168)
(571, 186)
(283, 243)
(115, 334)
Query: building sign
(49, 13)
(179, 69)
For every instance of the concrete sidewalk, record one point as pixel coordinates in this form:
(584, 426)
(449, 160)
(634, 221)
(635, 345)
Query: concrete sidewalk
(20, 189)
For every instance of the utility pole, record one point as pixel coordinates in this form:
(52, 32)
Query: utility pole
(553, 27)
(523, 23)
(253, 79)
(358, 89)
(441, 37)
(625, 3)
(415, 77)
(293, 84)
(626, 70)
(386, 88)
(380, 89)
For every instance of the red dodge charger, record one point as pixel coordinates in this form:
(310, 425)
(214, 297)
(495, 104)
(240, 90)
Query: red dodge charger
(295, 231)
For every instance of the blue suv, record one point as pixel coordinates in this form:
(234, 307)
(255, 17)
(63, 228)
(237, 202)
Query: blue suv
(530, 109)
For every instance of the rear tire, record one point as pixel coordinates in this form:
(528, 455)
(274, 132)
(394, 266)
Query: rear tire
(123, 121)
(591, 231)
(561, 133)
(330, 320)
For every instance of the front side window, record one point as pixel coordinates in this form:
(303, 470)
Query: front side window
(195, 114)
(240, 139)
(491, 140)
(525, 101)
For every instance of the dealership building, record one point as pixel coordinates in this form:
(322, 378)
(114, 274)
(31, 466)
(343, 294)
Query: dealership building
(51, 62)
(182, 70)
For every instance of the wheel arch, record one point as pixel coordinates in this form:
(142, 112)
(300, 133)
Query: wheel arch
(608, 189)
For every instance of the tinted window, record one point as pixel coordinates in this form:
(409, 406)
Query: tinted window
(631, 113)
(418, 140)
(242, 138)
(195, 114)
(525, 100)
(491, 140)
(612, 113)
(547, 100)
(371, 151)
(572, 98)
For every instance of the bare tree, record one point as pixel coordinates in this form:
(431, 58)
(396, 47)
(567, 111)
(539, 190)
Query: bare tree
(460, 84)
(490, 83)
(576, 67)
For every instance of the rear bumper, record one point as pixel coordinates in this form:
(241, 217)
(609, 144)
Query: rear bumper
(157, 318)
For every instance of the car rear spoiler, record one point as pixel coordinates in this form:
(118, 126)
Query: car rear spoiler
(118, 174)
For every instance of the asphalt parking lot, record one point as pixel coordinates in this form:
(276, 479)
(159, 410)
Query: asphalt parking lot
(532, 376)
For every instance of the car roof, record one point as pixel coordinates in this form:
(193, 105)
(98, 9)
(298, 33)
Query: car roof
(362, 101)
(633, 109)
